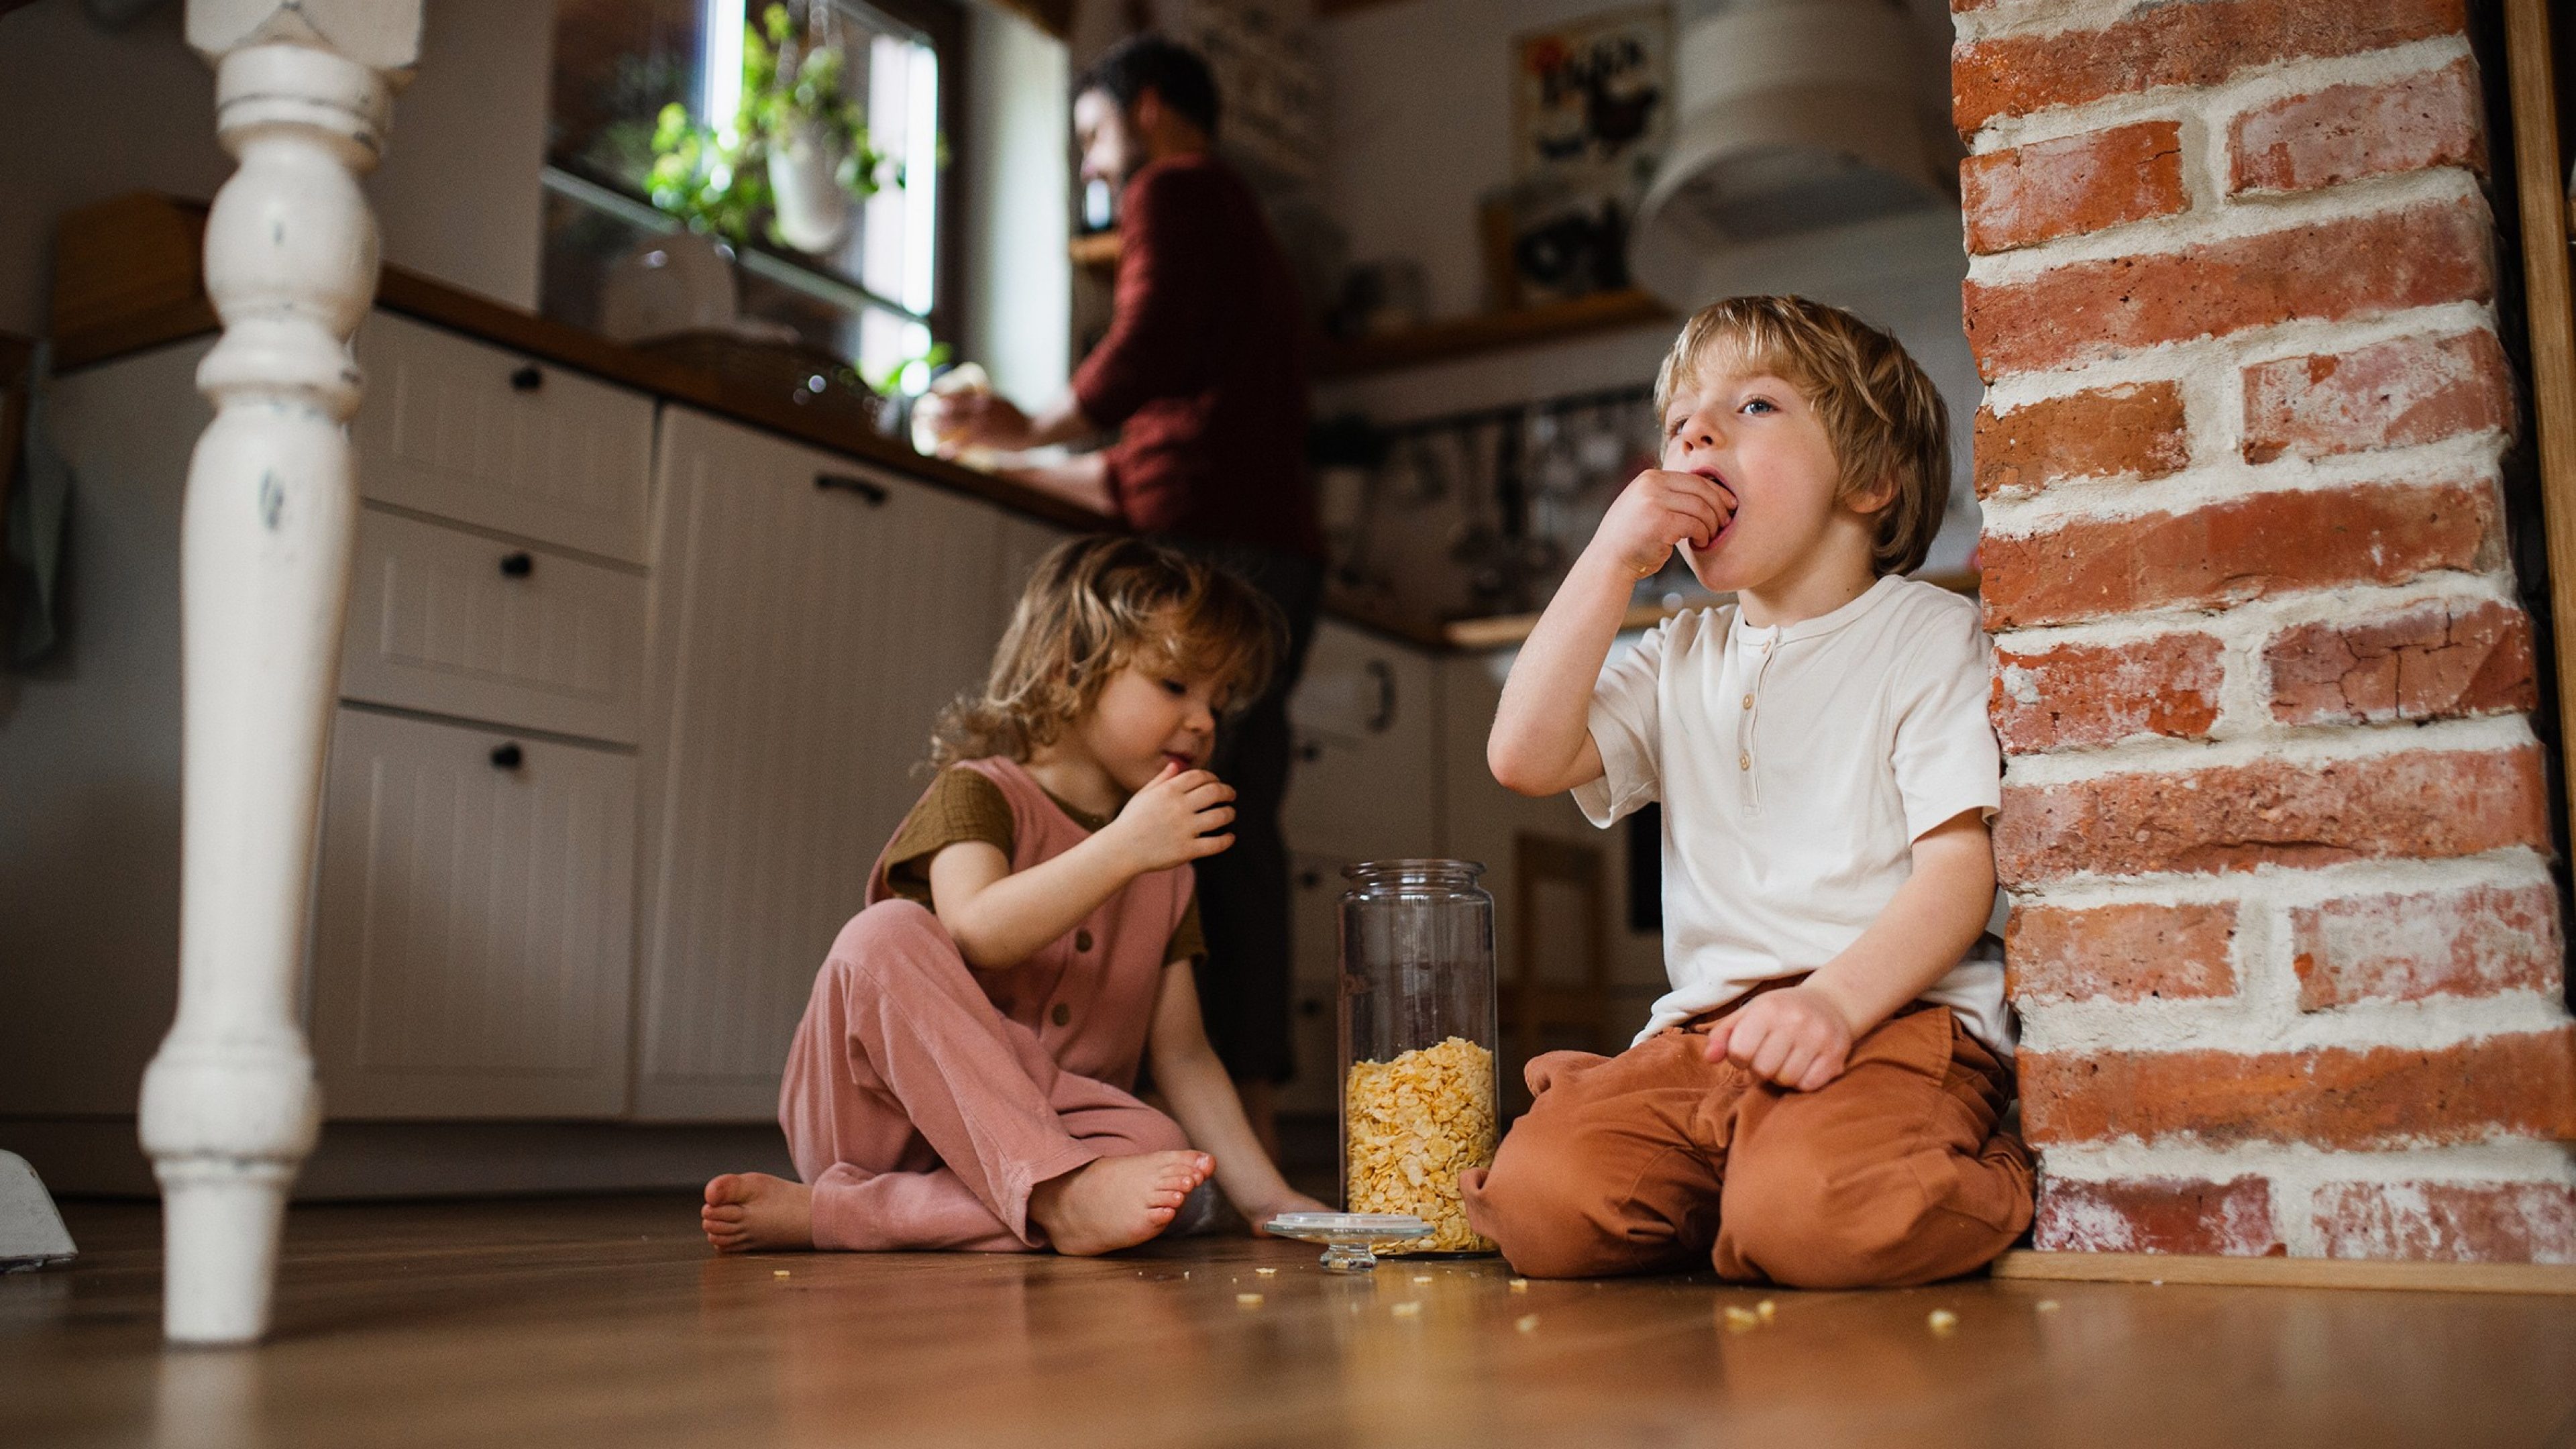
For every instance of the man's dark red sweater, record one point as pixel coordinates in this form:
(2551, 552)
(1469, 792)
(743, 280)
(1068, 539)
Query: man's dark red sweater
(1201, 372)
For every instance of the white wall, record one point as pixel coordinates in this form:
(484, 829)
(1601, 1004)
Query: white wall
(95, 113)
(1418, 126)
(1017, 210)
(457, 197)
(92, 114)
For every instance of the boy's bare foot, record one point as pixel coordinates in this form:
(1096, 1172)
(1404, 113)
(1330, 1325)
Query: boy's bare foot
(1116, 1202)
(753, 1212)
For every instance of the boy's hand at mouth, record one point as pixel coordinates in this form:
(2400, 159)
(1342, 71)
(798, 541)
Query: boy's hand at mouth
(1795, 1036)
(1659, 511)
(1174, 819)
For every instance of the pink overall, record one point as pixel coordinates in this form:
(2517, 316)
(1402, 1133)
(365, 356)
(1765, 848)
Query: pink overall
(924, 1098)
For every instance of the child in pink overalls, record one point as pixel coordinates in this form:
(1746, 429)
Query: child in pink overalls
(962, 1078)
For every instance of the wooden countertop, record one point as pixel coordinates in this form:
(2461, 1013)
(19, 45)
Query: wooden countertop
(127, 277)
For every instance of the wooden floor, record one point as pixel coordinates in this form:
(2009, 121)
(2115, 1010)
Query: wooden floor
(563, 1324)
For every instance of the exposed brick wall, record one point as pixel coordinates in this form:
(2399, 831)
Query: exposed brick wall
(2288, 960)
(2134, 430)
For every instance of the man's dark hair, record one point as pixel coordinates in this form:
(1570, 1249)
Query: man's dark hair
(1149, 62)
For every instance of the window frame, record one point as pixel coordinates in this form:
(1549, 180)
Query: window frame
(943, 23)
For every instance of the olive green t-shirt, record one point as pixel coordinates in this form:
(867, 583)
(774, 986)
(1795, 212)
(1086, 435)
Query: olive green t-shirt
(963, 805)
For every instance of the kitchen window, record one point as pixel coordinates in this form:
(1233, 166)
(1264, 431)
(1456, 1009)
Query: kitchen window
(877, 297)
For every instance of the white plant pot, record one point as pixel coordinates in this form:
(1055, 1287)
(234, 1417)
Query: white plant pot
(813, 207)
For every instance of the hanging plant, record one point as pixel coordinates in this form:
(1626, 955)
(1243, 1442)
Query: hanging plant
(799, 152)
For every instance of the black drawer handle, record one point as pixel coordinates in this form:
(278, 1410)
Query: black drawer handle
(1308, 752)
(874, 493)
(1383, 674)
(527, 379)
(507, 757)
(518, 565)
(1309, 879)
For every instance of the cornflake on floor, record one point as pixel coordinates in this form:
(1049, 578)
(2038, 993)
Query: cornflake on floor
(1527, 1323)
(1248, 1300)
(1408, 1310)
(1943, 1322)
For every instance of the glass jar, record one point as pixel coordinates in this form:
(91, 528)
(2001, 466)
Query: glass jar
(1418, 1035)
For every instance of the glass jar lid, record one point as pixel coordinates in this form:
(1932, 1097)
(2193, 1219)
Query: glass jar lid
(1413, 871)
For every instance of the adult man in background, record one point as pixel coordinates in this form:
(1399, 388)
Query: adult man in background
(1201, 379)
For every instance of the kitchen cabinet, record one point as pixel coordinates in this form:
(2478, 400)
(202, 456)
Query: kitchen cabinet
(811, 615)
(474, 920)
(1315, 884)
(471, 952)
(1366, 783)
(496, 439)
(486, 627)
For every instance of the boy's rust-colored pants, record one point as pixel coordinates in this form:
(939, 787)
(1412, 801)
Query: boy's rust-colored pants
(1893, 1173)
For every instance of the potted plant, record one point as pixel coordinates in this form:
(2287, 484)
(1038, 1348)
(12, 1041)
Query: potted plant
(795, 159)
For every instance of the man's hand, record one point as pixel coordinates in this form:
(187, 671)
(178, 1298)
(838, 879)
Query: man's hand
(975, 420)
(1168, 823)
(1658, 511)
(1795, 1036)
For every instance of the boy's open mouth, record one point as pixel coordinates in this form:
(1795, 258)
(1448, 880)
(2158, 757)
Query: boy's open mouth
(1734, 509)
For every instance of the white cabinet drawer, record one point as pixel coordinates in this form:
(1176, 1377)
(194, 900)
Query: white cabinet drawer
(474, 927)
(455, 623)
(484, 436)
(1365, 715)
(1315, 983)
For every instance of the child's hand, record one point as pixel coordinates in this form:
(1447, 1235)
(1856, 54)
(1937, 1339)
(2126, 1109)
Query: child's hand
(1170, 821)
(1658, 511)
(1795, 1036)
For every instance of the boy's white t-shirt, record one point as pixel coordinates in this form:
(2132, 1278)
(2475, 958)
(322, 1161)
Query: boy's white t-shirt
(1797, 765)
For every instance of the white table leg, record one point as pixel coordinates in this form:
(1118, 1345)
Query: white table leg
(303, 95)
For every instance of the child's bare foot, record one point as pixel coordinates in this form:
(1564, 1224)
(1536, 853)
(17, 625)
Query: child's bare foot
(1116, 1202)
(753, 1212)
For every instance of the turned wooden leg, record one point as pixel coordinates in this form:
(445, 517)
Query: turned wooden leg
(303, 95)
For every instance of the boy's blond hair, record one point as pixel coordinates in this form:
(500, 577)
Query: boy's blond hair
(1092, 607)
(1883, 416)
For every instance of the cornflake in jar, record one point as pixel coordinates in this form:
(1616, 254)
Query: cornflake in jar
(1414, 1124)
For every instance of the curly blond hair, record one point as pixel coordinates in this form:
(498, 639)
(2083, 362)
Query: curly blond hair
(1092, 607)
(1886, 421)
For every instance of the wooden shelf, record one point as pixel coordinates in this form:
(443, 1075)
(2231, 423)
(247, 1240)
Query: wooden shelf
(1098, 250)
(1499, 630)
(1491, 332)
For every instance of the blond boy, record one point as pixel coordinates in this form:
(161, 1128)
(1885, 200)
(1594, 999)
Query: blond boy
(1816, 1100)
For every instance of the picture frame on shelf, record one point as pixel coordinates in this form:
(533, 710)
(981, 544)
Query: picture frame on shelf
(1591, 113)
